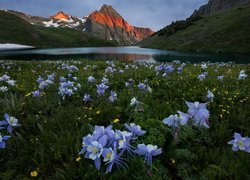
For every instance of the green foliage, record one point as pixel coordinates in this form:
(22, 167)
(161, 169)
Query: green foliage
(177, 26)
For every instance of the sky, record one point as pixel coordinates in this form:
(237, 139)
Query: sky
(154, 14)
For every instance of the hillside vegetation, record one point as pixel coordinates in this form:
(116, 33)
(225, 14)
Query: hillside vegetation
(15, 30)
(222, 32)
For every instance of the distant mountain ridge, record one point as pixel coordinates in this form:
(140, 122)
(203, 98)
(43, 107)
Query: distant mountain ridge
(105, 24)
(214, 6)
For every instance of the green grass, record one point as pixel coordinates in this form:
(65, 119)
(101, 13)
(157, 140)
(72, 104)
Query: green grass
(15, 30)
(223, 32)
(52, 128)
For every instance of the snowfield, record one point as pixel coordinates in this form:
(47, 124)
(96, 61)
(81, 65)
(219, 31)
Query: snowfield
(13, 46)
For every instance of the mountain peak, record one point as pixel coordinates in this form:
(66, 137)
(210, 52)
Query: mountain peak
(61, 16)
(109, 10)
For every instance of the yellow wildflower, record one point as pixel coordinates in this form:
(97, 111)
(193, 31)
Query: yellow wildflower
(116, 120)
(98, 112)
(34, 174)
(78, 159)
(27, 94)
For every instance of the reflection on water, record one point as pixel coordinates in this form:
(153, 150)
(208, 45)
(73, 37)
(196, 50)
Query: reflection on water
(130, 53)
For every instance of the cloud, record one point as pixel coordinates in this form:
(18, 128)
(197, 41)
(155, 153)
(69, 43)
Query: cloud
(155, 14)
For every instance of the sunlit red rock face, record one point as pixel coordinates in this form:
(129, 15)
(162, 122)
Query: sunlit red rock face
(61, 16)
(108, 24)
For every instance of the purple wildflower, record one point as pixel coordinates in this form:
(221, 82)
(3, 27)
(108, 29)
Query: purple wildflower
(173, 121)
(135, 129)
(91, 79)
(199, 112)
(10, 122)
(240, 143)
(141, 86)
(36, 93)
(87, 98)
(210, 96)
(2, 141)
(101, 89)
(113, 97)
(148, 151)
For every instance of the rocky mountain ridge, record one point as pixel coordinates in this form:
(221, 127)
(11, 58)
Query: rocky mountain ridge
(105, 24)
(214, 6)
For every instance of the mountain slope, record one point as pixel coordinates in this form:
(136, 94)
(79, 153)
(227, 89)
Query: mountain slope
(14, 29)
(215, 6)
(108, 24)
(228, 31)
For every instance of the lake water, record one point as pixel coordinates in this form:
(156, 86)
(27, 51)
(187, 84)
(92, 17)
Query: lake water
(125, 53)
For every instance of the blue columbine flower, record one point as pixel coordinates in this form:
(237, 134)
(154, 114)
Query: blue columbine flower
(173, 121)
(87, 98)
(95, 149)
(204, 66)
(36, 93)
(113, 97)
(202, 76)
(122, 139)
(210, 96)
(148, 151)
(62, 79)
(3, 89)
(11, 82)
(108, 155)
(109, 70)
(134, 102)
(184, 117)
(112, 158)
(105, 80)
(179, 69)
(10, 122)
(199, 112)
(141, 86)
(135, 129)
(240, 143)
(4, 78)
(91, 79)
(101, 89)
(2, 141)
(51, 77)
(40, 79)
(242, 75)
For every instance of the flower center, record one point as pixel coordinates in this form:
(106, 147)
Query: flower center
(12, 120)
(95, 150)
(240, 143)
(108, 155)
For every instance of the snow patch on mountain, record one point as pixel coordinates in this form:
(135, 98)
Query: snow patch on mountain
(8, 46)
(50, 23)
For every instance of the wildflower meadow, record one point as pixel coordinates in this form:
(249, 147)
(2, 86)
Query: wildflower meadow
(124, 120)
